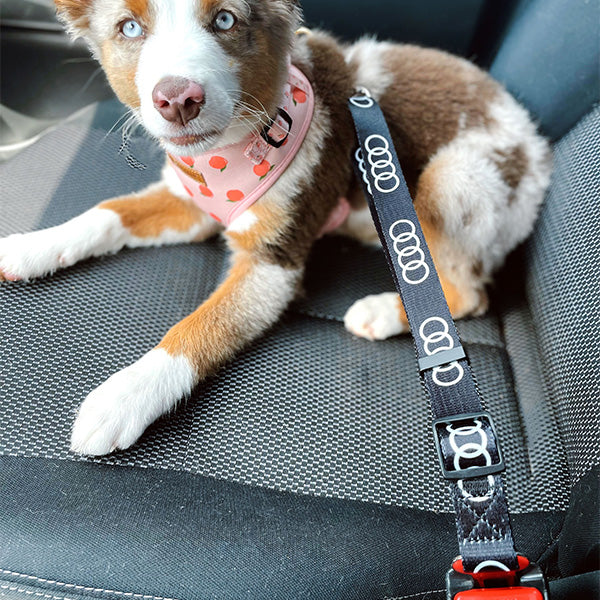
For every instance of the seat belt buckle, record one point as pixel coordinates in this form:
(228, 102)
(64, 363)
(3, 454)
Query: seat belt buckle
(467, 446)
(493, 581)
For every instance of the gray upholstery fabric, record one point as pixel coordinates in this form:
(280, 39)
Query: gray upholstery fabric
(562, 291)
(308, 408)
(550, 60)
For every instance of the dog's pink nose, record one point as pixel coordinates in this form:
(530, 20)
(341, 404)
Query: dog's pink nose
(178, 99)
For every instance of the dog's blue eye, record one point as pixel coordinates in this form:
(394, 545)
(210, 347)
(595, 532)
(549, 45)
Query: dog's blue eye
(132, 29)
(224, 20)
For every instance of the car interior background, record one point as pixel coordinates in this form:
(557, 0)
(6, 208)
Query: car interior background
(307, 468)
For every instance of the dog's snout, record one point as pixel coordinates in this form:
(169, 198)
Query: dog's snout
(178, 99)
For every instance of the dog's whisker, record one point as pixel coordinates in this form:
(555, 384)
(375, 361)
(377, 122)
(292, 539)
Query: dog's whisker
(254, 118)
(261, 110)
(255, 98)
(90, 79)
(261, 116)
(252, 128)
(254, 112)
(126, 129)
(124, 118)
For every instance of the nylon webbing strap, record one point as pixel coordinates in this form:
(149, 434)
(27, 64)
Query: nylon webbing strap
(467, 445)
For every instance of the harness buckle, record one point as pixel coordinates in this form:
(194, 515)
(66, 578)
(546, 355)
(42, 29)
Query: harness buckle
(467, 446)
(496, 582)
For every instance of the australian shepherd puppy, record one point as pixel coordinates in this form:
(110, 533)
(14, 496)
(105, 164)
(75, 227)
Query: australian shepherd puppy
(207, 74)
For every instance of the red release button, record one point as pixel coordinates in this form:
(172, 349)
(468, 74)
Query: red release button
(511, 593)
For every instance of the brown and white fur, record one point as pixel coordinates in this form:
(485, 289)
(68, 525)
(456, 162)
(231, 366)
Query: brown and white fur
(474, 163)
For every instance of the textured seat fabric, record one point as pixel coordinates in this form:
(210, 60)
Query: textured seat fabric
(306, 468)
(308, 408)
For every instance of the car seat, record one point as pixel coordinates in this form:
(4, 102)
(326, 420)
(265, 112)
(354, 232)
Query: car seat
(305, 469)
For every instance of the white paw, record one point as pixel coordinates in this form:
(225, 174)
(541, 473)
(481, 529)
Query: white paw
(29, 255)
(117, 412)
(375, 317)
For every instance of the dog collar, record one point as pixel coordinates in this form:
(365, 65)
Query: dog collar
(226, 181)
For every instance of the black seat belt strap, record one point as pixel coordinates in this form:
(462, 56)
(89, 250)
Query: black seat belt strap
(467, 444)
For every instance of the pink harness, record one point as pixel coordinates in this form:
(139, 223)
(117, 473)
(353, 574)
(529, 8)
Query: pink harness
(224, 182)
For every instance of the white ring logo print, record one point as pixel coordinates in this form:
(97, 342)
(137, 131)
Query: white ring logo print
(469, 450)
(435, 337)
(383, 168)
(407, 245)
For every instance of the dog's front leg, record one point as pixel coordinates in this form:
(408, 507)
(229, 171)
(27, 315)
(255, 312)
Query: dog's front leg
(251, 299)
(152, 217)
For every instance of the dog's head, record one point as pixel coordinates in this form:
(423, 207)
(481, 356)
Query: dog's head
(197, 73)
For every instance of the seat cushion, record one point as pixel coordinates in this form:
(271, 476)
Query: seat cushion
(562, 283)
(308, 408)
(159, 534)
(549, 60)
(424, 22)
(307, 421)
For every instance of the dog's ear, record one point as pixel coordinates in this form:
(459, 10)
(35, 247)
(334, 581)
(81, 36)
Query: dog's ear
(75, 14)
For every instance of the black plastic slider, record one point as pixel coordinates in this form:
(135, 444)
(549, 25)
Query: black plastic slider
(467, 446)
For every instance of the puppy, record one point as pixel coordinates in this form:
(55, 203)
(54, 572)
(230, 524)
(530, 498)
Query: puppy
(209, 75)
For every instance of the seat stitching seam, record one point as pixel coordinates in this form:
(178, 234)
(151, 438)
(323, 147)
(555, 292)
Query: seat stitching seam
(414, 595)
(16, 588)
(85, 588)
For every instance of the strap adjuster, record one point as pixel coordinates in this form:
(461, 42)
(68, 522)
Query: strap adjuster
(277, 127)
(525, 583)
(443, 357)
(467, 446)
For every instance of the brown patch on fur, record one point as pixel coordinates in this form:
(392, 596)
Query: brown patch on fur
(432, 95)
(259, 42)
(139, 8)
(455, 297)
(512, 165)
(462, 287)
(466, 219)
(332, 177)
(269, 239)
(74, 12)
(271, 219)
(149, 215)
(210, 5)
(285, 239)
(261, 73)
(428, 190)
(356, 197)
(121, 68)
(209, 336)
(477, 270)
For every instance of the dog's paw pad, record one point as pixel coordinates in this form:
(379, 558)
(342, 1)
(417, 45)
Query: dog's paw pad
(6, 276)
(375, 317)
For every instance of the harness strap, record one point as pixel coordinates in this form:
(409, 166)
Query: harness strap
(467, 445)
